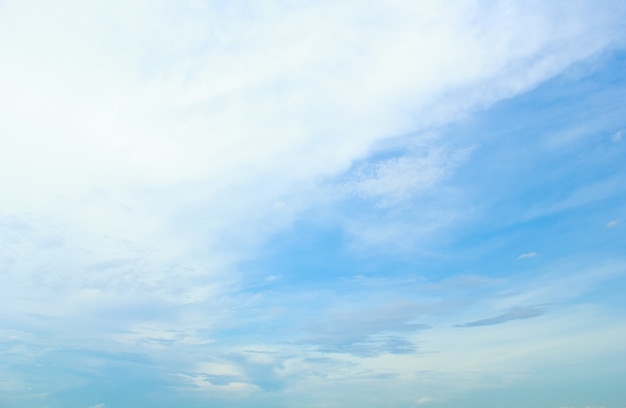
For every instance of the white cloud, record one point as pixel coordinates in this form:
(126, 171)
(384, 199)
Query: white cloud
(100, 405)
(613, 223)
(527, 255)
(397, 180)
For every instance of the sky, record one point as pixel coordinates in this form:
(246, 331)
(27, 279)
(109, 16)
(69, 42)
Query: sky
(331, 204)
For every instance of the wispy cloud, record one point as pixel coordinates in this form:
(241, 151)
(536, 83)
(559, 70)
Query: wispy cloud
(527, 255)
(516, 313)
(397, 180)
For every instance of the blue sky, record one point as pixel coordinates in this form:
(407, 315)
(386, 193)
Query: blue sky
(312, 204)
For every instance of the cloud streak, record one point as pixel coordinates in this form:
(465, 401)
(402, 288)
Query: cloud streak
(516, 313)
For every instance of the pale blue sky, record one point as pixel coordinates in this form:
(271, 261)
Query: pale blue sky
(312, 204)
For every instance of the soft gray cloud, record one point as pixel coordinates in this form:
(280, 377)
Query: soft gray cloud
(516, 313)
(368, 331)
